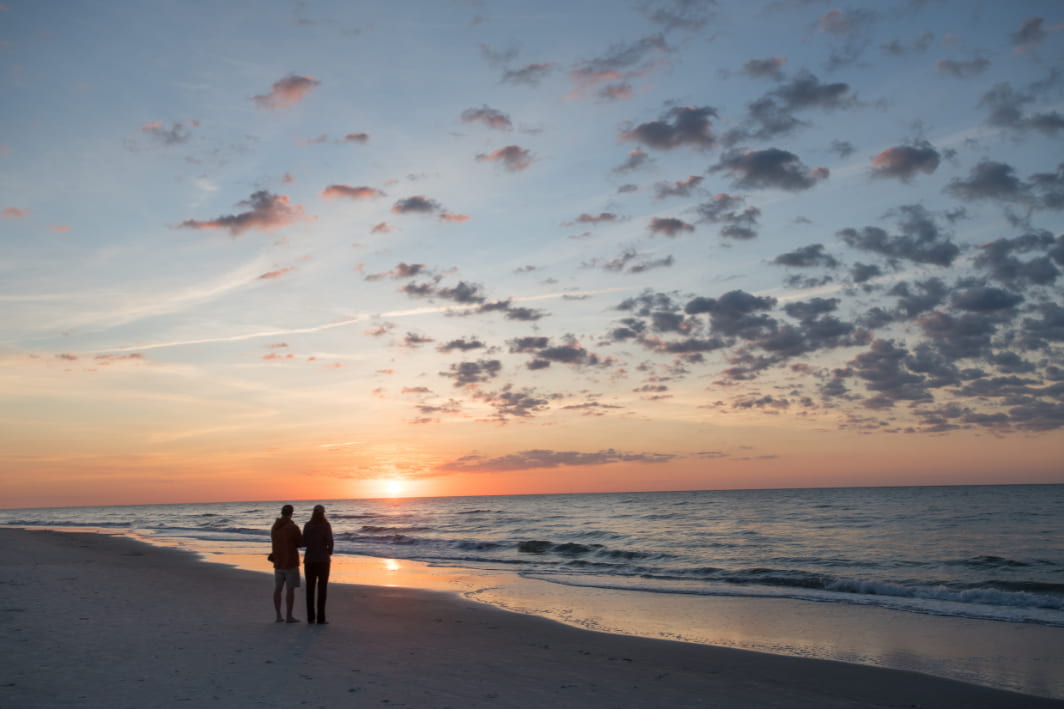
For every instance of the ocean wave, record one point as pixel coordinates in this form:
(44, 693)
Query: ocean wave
(378, 528)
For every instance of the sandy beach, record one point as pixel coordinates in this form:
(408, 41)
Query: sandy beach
(91, 620)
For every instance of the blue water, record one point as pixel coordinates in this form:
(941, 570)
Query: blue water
(994, 552)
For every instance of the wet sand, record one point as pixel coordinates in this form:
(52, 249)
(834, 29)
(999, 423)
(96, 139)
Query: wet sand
(92, 620)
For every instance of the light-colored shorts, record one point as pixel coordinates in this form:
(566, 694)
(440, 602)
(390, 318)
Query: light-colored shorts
(283, 576)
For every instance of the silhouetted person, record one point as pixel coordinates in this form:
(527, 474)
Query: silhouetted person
(318, 539)
(286, 542)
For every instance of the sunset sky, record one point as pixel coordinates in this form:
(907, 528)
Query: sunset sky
(299, 250)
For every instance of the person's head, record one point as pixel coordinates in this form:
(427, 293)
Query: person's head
(318, 515)
(287, 511)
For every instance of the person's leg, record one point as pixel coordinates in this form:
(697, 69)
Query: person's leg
(312, 577)
(277, 584)
(323, 591)
(290, 600)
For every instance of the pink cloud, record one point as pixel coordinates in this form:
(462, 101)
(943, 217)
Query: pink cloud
(452, 217)
(382, 228)
(60, 227)
(335, 191)
(286, 92)
(266, 211)
(513, 157)
(269, 275)
(14, 213)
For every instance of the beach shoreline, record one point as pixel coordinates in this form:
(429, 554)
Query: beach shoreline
(99, 620)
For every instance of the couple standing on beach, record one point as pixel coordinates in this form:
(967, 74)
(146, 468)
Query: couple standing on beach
(287, 539)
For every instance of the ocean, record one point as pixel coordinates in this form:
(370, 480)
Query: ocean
(980, 552)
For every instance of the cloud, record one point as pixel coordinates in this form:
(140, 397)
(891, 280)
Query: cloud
(461, 344)
(636, 159)
(990, 180)
(1029, 35)
(360, 138)
(586, 218)
(689, 15)
(963, 69)
(616, 92)
(528, 75)
(669, 226)
(736, 313)
(14, 213)
(807, 257)
(356, 193)
(1001, 259)
(418, 204)
(921, 239)
(843, 148)
(904, 161)
(679, 126)
(176, 134)
(382, 228)
(286, 92)
(768, 169)
(266, 211)
(621, 62)
(538, 459)
(737, 220)
(479, 371)
(490, 117)
(446, 216)
(513, 157)
(509, 402)
(270, 275)
(679, 188)
(1006, 110)
(771, 67)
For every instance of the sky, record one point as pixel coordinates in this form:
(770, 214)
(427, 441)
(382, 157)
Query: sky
(320, 250)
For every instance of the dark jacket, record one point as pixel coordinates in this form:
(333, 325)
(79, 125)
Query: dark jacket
(286, 542)
(318, 539)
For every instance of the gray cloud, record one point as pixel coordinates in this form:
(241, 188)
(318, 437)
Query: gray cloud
(769, 169)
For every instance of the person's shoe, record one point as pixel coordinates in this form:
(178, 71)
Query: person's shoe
(322, 621)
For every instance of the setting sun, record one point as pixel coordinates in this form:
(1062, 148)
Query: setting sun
(394, 488)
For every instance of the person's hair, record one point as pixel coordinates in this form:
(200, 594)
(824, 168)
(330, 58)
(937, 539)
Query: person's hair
(318, 515)
(287, 510)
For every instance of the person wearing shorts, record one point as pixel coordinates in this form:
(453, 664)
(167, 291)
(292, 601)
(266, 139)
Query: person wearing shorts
(286, 539)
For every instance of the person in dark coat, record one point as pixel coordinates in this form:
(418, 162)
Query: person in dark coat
(318, 539)
(286, 541)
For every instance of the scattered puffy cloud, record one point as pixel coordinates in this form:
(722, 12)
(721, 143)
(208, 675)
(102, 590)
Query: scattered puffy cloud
(176, 134)
(679, 126)
(623, 61)
(772, 168)
(349, 192)
(286, 92)
(669, 226)
(266, 211)
(513, 157)
(490, 117)
(904, 161)
(529, 74)
(537, 459)
(963, 69)
(14, 213)
(921, 238)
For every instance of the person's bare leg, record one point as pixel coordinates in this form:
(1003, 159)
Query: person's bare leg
(290, 600)
(277, 603)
